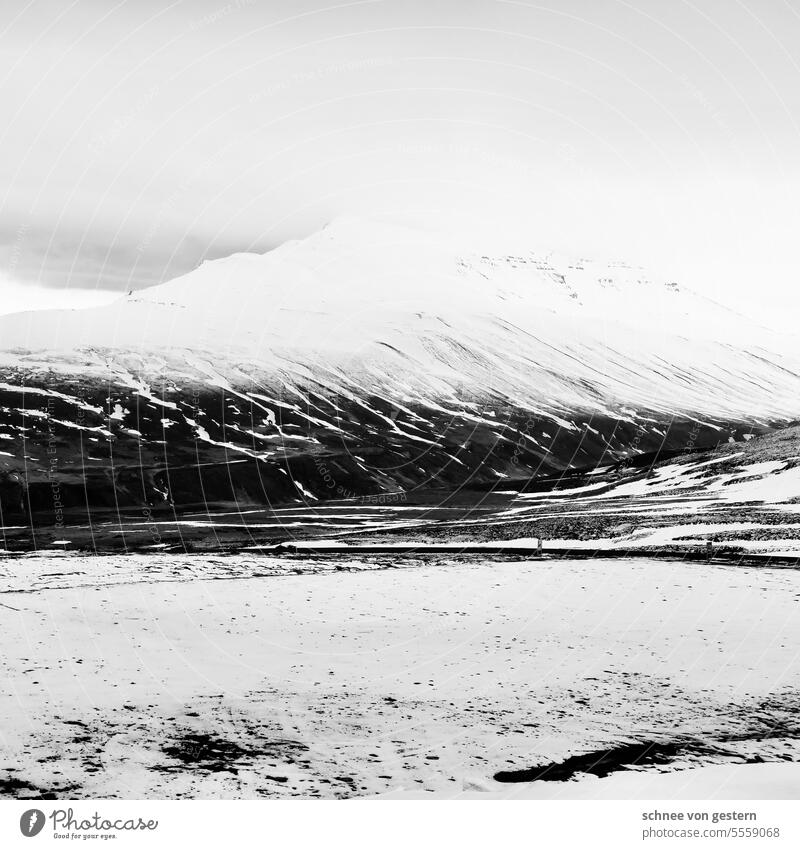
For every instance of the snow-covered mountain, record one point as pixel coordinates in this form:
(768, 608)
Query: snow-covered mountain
(369, 359)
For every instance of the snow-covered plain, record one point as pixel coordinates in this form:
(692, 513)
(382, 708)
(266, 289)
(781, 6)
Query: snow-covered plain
(423, 680)
(721, 781)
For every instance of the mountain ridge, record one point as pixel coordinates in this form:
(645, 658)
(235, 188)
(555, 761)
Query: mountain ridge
(390, 358)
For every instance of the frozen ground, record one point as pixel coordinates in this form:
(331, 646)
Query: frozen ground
(434, 680)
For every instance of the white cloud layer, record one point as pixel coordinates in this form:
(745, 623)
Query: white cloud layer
(17, 296)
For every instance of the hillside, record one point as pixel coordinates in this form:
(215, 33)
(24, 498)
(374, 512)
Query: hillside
(743, 497)
(370, 360)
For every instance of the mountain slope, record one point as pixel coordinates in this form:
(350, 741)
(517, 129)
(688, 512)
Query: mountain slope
(370, 359)
(742, 497)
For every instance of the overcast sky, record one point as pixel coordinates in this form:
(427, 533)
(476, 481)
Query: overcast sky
(140, 137)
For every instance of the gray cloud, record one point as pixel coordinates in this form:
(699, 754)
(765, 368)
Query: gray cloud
(143, 138)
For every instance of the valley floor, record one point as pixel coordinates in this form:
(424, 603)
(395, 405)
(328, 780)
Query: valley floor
(542, 678)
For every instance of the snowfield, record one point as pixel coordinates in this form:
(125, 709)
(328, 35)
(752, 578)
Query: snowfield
(509, 679)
